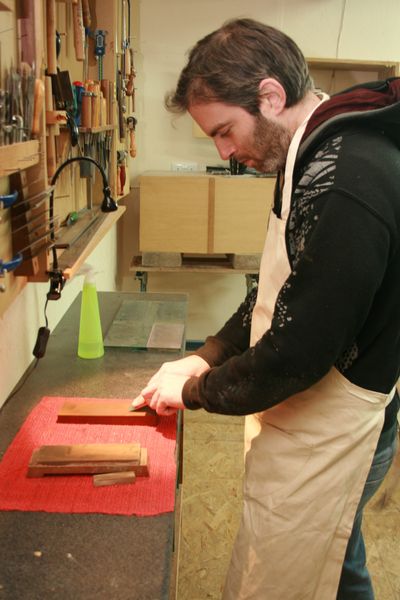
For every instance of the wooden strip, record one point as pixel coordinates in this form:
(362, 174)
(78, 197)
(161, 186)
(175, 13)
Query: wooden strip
(114, 478)
(38, 469)
(211, 215)
(93, 453)
(41, 469)
(110, 412)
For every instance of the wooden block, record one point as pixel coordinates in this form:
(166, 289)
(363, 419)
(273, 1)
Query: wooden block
(161, 259)
(92, 453)
(121, 478)
(111, 412)
(241, 211)
(203, 214)
(173, 213)
(38, 467)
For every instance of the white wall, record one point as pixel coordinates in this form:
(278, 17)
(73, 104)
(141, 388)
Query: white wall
(352, 29)
(20, 323)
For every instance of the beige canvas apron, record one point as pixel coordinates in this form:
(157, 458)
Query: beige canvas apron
(307, 460)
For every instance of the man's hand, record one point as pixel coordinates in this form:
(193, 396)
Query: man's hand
(165, 395)
(163, 392)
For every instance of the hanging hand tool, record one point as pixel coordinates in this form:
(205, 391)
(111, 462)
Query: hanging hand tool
(121, 170)
(51, 37)
(50, 138)
(130, 84)
(3, 115)
(18, 125)
(79, 31)
(87, 21)
(126, 39)
(28, 95)
(64, 98)
(131, 123)
(37, 106)
(121, 98)
(100, 49)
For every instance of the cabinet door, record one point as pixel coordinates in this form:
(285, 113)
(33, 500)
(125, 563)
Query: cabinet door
(174, 214)
(241, 211)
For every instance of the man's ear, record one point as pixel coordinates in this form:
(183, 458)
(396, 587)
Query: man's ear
(272, 97)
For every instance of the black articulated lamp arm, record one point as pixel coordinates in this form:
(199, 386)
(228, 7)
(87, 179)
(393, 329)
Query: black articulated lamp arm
(108, 204)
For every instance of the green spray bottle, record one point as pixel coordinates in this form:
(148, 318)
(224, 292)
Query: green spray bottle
(90, 343)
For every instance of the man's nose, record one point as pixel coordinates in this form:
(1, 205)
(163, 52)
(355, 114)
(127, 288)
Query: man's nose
(225, 149)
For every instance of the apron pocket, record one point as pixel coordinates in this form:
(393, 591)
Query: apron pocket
(276, 461)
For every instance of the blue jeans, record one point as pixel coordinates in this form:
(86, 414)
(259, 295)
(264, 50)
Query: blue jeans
(355, 582)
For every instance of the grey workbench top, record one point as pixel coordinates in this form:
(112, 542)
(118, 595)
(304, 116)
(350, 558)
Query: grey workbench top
(83, 556)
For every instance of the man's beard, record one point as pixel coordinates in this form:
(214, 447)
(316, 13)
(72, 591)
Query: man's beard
(271, 143)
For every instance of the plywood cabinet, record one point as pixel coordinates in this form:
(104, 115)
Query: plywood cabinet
(204, 214)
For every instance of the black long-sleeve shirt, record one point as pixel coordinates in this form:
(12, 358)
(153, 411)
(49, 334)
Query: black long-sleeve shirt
(340, 305)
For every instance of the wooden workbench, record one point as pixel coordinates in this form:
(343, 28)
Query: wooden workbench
(86, 556)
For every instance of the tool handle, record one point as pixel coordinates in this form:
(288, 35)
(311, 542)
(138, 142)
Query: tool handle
(105, 88)
(132, 146)
(79, 31)
(130, 85)
(38, 105)
(87, 19)
(51, 37)
(119, 190)
(86, 110)
(122, 174)
(96, 109)
(127, 63)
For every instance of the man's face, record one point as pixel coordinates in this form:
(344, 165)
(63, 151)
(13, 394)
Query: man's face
(257, 142)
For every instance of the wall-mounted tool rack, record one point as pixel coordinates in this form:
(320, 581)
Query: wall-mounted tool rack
(59, 44)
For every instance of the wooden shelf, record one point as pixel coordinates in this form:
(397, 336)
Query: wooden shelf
(72, 259)
(17, 157)
(100, 129)
(350, 65)
(198, 264)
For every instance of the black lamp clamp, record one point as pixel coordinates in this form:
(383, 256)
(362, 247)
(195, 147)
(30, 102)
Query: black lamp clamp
(57, 280)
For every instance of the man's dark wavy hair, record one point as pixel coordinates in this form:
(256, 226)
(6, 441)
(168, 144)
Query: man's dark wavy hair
(228, 64)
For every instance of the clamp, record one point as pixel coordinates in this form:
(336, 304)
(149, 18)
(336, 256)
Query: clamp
(8, 200)
(10, 265)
